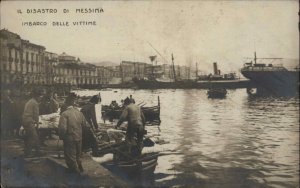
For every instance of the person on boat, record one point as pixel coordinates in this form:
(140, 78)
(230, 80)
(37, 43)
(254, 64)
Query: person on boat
(136, 124)
(132, 99)
(70, 127)
(114, 105)
(30, 120)
(89, 111)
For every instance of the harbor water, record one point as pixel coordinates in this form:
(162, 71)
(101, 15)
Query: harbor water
(239, 141)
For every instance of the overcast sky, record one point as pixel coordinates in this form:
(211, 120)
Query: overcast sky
(203, 32)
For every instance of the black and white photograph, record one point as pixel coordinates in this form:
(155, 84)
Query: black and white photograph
(161, 93)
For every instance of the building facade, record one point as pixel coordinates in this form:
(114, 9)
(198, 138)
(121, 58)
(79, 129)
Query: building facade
(21, 61)
(27, 63)
(130, 70)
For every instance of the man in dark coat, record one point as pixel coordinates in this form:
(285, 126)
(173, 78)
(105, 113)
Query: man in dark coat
(89, 111)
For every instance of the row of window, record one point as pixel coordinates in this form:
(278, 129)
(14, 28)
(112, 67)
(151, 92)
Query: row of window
(64, 80)
(34, 57)
(78, 72)
(61, 80)
(10, 67)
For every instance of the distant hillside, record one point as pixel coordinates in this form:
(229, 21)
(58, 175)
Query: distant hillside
(290, 63)
(106, 63)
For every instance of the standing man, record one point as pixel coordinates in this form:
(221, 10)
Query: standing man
(136, 122)
(70, 127)
(30, 120)
(89, 111)
(54, 105)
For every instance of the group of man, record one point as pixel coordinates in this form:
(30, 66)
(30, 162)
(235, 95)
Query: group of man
(39, 104)
(73, 123)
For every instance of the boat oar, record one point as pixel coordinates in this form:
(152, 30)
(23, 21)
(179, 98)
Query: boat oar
(141, 102)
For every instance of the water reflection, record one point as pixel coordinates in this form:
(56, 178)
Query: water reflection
(239, 141)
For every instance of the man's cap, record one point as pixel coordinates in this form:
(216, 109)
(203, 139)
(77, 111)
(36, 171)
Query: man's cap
(70, 99)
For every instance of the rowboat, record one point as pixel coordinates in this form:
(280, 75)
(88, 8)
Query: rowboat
(152, 114)
(142, 167)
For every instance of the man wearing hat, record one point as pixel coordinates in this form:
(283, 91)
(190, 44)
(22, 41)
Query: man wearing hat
(30, 120)
(136, 122)
(70, 127)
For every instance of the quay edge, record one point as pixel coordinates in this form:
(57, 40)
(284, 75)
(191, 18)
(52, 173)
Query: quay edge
(50, 170)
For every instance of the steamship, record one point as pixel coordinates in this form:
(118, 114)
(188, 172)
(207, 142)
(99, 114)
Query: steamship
(272, 79)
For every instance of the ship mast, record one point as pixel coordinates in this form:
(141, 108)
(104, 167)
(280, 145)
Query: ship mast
(152, 59)
(174, 73)
(121, 70)
(255, 58)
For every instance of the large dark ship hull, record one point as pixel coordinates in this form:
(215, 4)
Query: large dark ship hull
(278, 83)
(153, 84)
(191, 84)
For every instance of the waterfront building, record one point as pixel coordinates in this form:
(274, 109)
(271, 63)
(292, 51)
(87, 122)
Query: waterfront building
(185, 72)
(105, 74)
(21, 61)
(155, 71)
(75, 73)
(167, 71)
(26, 63)
(182, 72)
(130, 70)
(51, 60)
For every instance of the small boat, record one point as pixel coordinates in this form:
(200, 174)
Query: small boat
(152, 114)
(142, 167)
(217, 93)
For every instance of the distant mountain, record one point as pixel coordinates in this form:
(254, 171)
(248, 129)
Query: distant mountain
(106, 63)
(290, 63)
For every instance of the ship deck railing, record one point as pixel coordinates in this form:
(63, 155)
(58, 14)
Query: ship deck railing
(267, 68)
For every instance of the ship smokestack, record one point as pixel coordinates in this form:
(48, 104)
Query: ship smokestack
(215, 68)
